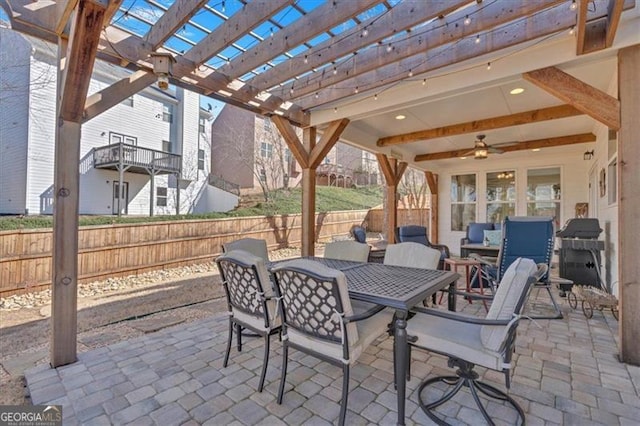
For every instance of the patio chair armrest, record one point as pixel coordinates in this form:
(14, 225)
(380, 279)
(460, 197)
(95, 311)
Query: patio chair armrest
(460, 317)
(489, 261)
(464, 241)
(442, 248)
(364, 315)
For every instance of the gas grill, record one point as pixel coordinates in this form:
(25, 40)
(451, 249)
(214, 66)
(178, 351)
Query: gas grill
(580, 252)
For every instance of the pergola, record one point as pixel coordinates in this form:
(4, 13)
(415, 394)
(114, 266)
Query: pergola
(320, 65)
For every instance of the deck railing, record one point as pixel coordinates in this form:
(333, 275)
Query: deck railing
(132, 155)
(225, 185)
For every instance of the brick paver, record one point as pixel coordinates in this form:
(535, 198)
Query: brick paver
(566, 372)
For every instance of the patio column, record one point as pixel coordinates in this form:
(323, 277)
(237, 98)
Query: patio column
(309, 155)
(392, 171)
(629, 203)
(75, 65)
(432, 183)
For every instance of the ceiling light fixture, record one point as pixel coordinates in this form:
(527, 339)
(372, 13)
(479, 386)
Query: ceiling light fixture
(463, 158)
(505, 175)
(535, 149)
(588, 155)
(400, 117)
(480, 154)
(517, 91)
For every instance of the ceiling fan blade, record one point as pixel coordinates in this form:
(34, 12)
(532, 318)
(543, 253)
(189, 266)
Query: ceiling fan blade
(493, 150)
(467, 154)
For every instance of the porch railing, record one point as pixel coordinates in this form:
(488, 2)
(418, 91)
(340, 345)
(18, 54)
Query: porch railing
(225, 185)
(131, 155)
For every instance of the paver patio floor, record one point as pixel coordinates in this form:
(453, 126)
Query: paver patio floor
(566, 372)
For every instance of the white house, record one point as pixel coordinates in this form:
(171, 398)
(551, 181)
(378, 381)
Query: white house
(157, 144)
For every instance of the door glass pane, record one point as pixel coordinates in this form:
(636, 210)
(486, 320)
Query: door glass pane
(463, 201)
(544, 193)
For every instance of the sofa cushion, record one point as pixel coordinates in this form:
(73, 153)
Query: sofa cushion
(494, 237)
(475, 232)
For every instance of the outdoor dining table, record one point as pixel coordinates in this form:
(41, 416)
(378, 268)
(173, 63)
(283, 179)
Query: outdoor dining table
(399, 288)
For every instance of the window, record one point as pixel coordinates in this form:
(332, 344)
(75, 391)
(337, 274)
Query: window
(167, 113)
(201, 159)
(501, 195)
(267, 124)
(161, 196)
(119, 138)
(463, 201)
(263, 175)
(201, 125)
(543, 193)
(167, 146)
(128, 101)
(266, 150)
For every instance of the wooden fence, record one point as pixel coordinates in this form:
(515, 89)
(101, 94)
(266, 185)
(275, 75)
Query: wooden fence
(128, 249)
(375, 218)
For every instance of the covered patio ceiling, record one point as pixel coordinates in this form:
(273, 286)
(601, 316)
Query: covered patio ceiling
(346, 68)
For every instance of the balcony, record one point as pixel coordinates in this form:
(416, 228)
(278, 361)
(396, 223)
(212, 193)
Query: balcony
(135, 159)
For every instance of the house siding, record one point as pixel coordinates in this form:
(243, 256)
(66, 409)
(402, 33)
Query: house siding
(14, 109)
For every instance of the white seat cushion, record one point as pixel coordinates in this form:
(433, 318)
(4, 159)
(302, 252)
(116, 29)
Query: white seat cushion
(412, 255)
(347, 250)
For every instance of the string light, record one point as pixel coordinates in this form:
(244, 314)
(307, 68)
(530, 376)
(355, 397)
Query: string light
(467, 20)
(356, 90)
(410, 73)
(572, 31)
(317, 95)
(271, 32)
(306, 59)
(488, 65)
(389, 47)
(365, 32)
(335, 70)
(335, 110)
(424, 82)
(375, 97)
(224, 9)
(477, 39)
(574, 5)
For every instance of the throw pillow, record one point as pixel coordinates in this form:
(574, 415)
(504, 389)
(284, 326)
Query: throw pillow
(494, 237)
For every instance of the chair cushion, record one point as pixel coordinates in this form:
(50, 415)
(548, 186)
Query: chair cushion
(412, 255)
(510, 289)
(359, 234)
(347, 250)
(452, 338)
(494, 237)
(475, 232)
(254, 246)
(258, 322)
(413, 233)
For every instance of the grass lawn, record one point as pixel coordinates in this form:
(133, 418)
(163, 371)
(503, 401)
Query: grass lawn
(281, 202)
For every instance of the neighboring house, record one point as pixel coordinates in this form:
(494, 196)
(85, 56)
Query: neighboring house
(156, 143)
(248, 150)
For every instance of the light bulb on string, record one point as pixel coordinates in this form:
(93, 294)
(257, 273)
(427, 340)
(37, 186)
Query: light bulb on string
(574, 5)
(572, 31)
(335, 70)
(224, 9)
(410, 73)
(488, 65)
(424, 82)
(317, 95)
(365, 32)
(477, 39)
(335, 110)
(356, 90)
(467, 20)
(306, 59)
(389, 47)
(375, 97)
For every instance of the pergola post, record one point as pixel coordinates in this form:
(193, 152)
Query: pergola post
(75, 65)
(392, 171)
(629, 203)
(432, 183)
(308, 197)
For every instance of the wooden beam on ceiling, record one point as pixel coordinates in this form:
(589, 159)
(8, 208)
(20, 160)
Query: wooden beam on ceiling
(544, 23)
(534, 116)
(171, 20)
(122, 46)
(111, 96)
(239, 24)
(593, 102)
(80, 57)
(614, 12)
(328, 140)
(519, 146)
(400, 18)
(317, 21)
(581, 26)
(429, 36)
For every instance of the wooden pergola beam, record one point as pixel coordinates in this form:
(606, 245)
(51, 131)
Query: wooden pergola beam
(289, 135)
(328, 140)
(543, 23)
(614, 12)
(392, 171)
(319, 20)
(75, 64)
(593, 102)
(534, 116)
(235, 27)
(581, 26)
(400, 18)
(171, 20)
(308, 238)
(64, 10)
(520, 146)
(108, 97)
(427, 37)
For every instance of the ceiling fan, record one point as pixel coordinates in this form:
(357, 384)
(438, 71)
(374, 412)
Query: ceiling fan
(481, 150)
